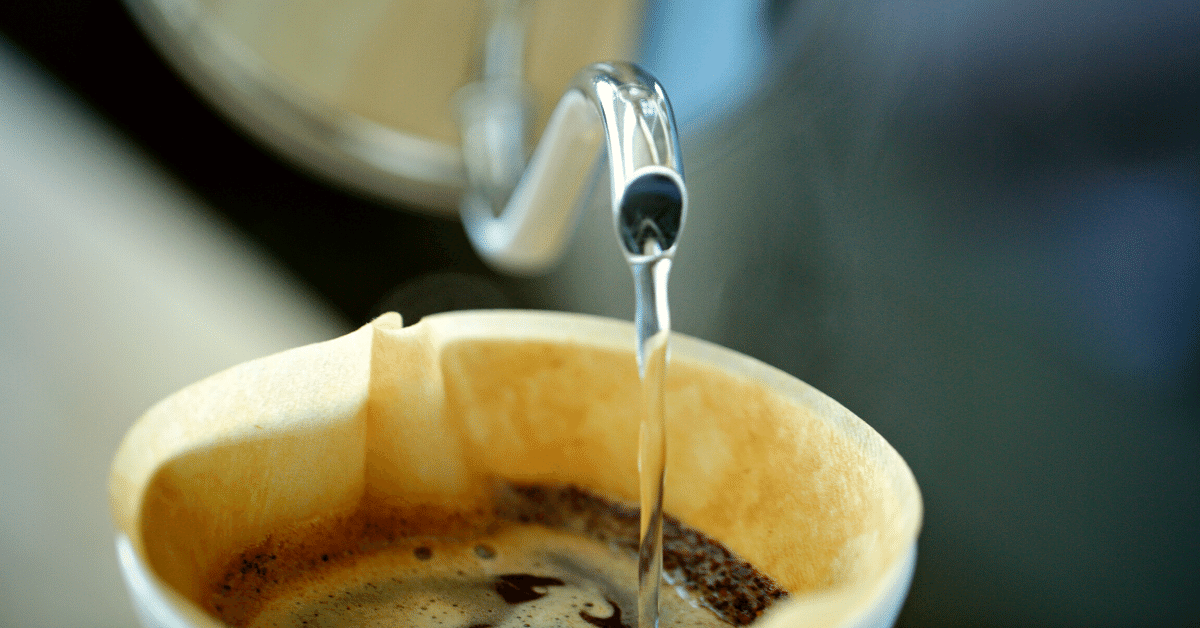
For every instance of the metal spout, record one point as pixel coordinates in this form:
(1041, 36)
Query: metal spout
(522, 225)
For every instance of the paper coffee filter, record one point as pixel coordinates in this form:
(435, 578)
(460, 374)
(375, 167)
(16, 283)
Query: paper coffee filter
(426, 418)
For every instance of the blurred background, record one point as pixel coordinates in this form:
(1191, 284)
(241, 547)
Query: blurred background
(975, 223)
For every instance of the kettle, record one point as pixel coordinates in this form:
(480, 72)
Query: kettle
(430, 105)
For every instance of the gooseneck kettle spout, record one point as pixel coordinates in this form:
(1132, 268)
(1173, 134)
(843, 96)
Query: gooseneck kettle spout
(520, 220)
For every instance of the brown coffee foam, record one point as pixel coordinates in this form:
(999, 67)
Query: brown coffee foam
(783, 475)
(377, 548)
(455, 586)
(297, 553)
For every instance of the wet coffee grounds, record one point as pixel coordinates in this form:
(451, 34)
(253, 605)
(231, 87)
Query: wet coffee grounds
(718, 579)
(713, 576)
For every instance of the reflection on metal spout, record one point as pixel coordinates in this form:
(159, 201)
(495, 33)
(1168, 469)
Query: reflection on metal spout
(526, 231)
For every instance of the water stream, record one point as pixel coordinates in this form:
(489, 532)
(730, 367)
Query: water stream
(653, 330)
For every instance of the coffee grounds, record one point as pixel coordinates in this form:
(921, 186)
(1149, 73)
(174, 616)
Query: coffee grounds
(716, 579)
(730, 587)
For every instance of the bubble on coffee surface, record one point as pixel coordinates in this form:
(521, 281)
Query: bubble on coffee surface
(547, 557)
